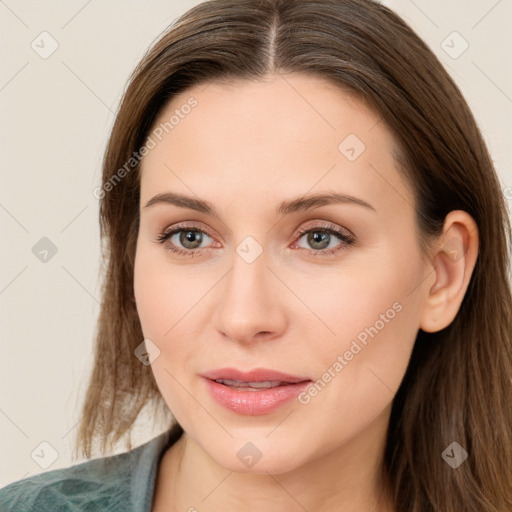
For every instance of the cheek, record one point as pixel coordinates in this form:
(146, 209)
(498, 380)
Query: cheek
(360, 293)
(163, 298)
(374, 312)
(164, 293)
(169, 299)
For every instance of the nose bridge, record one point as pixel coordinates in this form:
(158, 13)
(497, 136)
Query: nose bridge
(248, 303)
(247, 282)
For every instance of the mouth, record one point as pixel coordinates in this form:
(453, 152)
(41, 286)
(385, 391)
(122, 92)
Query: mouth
(259, 378)
(254, 392)
(252, 386)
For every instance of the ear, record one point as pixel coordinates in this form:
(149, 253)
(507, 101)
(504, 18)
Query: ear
(453, 258)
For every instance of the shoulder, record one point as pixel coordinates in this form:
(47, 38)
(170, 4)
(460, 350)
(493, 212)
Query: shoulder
(121, 482)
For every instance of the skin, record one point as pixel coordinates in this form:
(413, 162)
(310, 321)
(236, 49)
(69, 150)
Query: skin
(245, 148)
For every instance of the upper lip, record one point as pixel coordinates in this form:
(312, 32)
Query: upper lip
(255, 375)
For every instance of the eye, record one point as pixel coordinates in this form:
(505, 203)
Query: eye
(320, 238)
(185, 240)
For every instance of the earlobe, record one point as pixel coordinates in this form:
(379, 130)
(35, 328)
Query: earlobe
(453, 259)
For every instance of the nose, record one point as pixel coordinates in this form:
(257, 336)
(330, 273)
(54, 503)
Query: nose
(251, 307)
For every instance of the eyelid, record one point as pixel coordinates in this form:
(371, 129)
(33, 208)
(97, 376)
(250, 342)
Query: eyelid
(326, 225)
(184, 226)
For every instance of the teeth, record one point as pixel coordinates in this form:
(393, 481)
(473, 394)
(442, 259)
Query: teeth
(257, 385)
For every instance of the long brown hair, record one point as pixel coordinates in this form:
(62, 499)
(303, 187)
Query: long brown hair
(458, 386)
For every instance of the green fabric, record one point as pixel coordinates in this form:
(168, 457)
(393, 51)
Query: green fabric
(118, 483)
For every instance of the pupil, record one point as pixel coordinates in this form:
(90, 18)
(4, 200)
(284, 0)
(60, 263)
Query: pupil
(317, 237)
(190, 237)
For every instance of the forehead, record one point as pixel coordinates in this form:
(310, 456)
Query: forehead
(288, 133)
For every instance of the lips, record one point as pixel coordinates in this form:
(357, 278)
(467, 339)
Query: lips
(256, 375)
(247, 386)
(259, 391)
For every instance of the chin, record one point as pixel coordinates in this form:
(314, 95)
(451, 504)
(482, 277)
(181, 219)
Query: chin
(258, 457)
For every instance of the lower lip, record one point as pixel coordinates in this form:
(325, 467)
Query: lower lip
(254, 403)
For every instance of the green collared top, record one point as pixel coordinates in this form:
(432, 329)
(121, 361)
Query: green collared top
(118, 483)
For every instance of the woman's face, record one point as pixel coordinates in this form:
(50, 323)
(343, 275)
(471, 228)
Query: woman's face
(263, 282)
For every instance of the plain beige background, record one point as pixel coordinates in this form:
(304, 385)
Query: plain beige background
(56, 112)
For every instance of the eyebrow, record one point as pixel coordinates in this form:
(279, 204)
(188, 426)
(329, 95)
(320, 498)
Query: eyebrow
(285, 208)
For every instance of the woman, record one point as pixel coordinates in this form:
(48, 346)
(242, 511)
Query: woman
(306, 249)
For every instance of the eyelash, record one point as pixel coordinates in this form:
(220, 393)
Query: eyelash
(344, 238)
